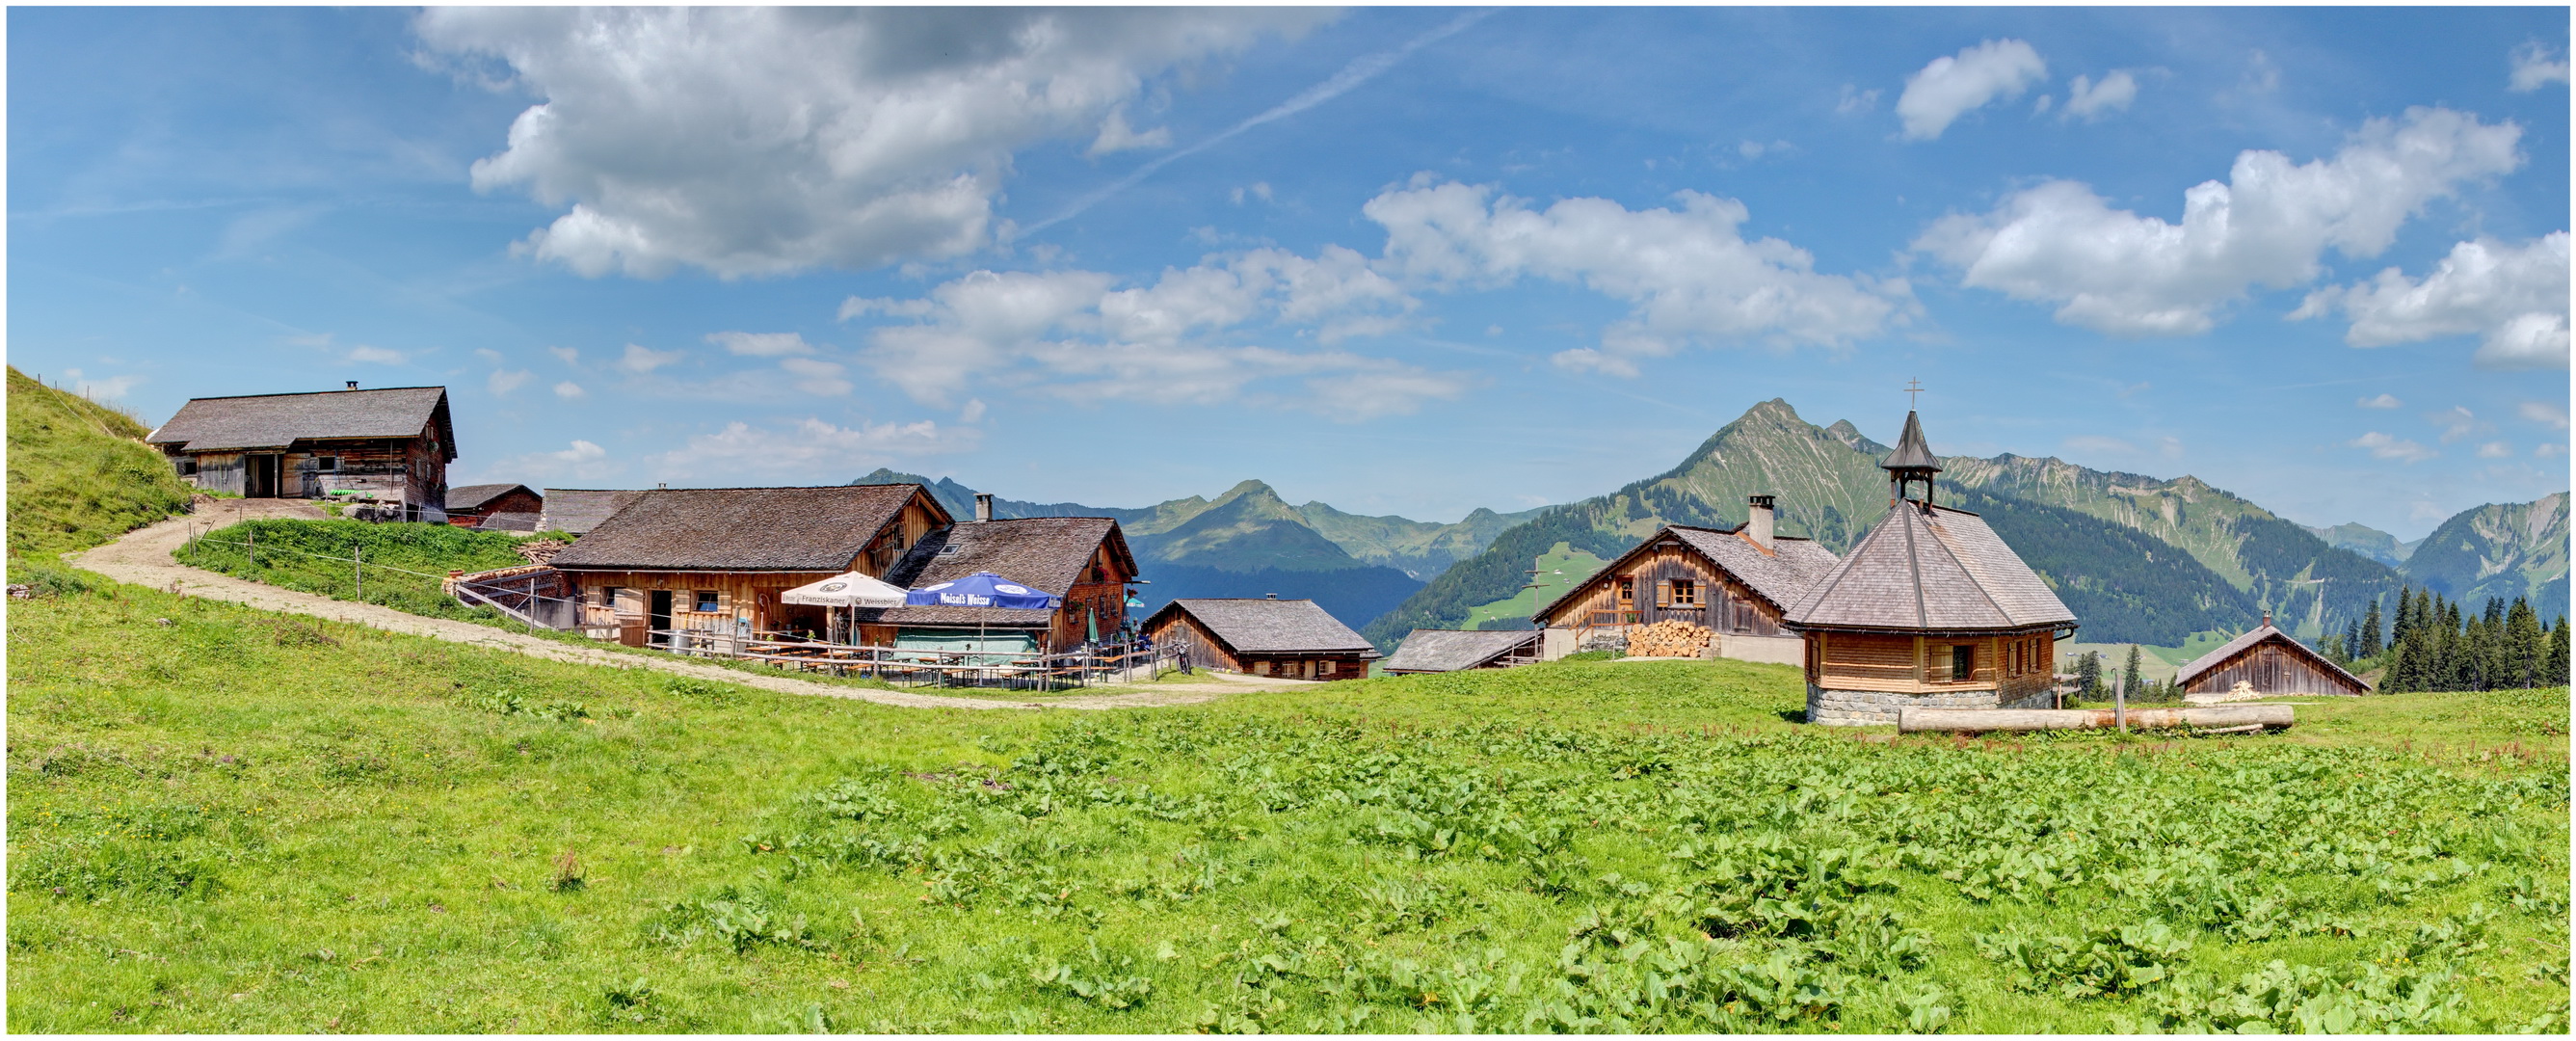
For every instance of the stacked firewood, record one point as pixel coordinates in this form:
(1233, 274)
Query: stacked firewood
(1671, 638)
(540, 551)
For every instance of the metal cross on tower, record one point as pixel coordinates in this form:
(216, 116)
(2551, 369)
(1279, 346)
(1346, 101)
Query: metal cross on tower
(1912, 387)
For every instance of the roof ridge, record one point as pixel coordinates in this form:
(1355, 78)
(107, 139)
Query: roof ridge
(316, 393)
(1914, 564)
(1976, 576)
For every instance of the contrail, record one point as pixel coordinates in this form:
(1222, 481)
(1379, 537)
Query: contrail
(1359, 71)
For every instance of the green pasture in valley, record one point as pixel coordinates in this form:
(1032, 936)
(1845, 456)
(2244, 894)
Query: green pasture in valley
(227, 820)
(1561, 569)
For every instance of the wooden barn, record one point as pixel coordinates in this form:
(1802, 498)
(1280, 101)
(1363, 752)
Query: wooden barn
(1289, 638)
(715, 559)
(1083, 561)
(386, 450)
(497, 507)
(1738, 584)
(1457, 650)
(2269, 662)
(578, 510)
(1931, 610)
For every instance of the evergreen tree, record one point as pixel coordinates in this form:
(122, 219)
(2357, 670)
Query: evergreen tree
(2557, 662)
(2524, 646)
(2404, 624)
(2088, 674)
(2129, 673)
(2454, 662)
(2352, 641)
(2369, 645)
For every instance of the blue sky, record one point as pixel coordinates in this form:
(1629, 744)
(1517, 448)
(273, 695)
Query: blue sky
(1401, 260)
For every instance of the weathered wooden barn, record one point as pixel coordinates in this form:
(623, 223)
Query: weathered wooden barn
(1082, 561)
(1931, 609)
(496, 507)
(1295, 639)
(2268, 661)
(1458, 650)
(387, 449)
(715, 559)
(578, 510)
(1737, 584)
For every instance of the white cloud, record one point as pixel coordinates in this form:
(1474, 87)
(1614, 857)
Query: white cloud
(1951, 87)
(1854, 102)
(490, 355)
(816, 376)
(580, 452)
(757, 141)
(567, 355)
(2088, 101)
(639, 359)
(375, 355)
(503, 381)
(1257, 189)
(2382, 401)
(761, 345)
(2385, 447)
(973, 412)
(2516, 296)
(2494, 450)
(2536, 65)
(1688, 275)
(2547, 449)
(2269, 225)
(107, 389)
(1116, 136)
(582, 460)
(569, 390)
(812, 449)
(2456, 422)
(2542, 412)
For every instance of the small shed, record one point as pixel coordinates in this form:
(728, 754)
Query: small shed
(386, 447)
(2271, 662)
(1082, 561)
(1457, 650)
(1296, 639)
(480, 505)
(578, 510)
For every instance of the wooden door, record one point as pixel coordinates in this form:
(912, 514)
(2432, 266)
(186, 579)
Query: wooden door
(657, 617)
(259, 477)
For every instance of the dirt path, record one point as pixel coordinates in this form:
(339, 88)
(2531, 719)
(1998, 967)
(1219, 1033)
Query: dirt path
(143, 558)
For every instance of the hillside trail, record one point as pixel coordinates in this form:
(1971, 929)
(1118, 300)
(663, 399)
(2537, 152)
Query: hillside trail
(143, 557)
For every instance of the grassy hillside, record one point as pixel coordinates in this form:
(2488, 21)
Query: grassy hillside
(221, 820)
(1562, 568)
(79, 473)
(404, 563)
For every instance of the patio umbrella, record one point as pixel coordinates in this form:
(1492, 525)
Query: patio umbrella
(982, 589)
(852, 590)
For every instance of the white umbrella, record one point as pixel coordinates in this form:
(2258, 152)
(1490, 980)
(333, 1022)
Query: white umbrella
(851, 590)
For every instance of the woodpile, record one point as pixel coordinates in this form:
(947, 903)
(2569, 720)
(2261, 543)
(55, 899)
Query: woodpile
(540, 551)
(1671, 638)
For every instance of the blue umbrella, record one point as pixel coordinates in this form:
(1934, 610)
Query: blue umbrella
(981, 589)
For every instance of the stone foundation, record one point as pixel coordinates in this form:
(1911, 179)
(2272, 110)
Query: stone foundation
(1866, 708)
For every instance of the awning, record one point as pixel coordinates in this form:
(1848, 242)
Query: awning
(850, 590)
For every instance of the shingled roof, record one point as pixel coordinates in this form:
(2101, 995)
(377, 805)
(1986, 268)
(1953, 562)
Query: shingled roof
(1450, 650)
(2260, 633)
(279, 420)
(467, 497)
(1048, 554)
(578, 510)
(1930, 568)
(742, 529)
(1781, 576)
(1912, 451)
(1268, 626)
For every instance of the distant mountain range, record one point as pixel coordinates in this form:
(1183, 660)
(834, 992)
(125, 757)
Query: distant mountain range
(2369, 542)
(2507, 550)
(1250, 542)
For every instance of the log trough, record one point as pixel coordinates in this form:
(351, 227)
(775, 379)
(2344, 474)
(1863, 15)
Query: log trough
(2228, 719)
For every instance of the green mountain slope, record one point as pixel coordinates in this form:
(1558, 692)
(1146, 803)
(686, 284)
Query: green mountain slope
(1247, 528)
(79, 472)
(2499, 550)
(2369, 542)
(1418, 548)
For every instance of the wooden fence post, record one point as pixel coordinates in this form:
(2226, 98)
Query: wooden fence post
(358, 570)
(254, 549)
(2120, 703)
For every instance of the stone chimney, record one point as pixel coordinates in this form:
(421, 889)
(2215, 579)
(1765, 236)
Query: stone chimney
(2267, 619)
(1757, 524)
(1270, 596)
(353, 384)
(983, 507)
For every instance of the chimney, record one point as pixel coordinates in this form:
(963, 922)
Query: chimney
(353, 384)
(1757, 525)
(664, 486)
(1270, 596)
(2267, 619)
(983, 506)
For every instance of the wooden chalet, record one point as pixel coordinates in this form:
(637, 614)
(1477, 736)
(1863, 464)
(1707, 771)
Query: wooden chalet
(578, 510)
(1736, 583)
(2269, 662)
(1268, 637)
(1083, 561)
(497, 507)
(1458, 650)
(1931, 609)
(387, 449)
(714, 560)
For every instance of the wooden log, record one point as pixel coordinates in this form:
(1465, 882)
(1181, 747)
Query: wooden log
(1978, 720)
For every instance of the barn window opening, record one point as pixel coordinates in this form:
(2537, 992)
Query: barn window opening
(1963, 662)
(329, 464)
(706, 601)
(187, 468)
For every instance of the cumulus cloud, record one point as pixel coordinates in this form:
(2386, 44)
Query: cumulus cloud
(2536, 65)
(2544, 413)
(816, 376)
(2494, 450)
(811, 449)
(1953, 86)
(761, 345)
(639, 360)
(757, 141)
(503, 381)
(569, 390)
(1688, 274)
(1854, 101)
(2385, 447)
(102, 388)
(2268, 225)
(2088, 101)
(566, 355)
(1178, 338)
(1117, 136)
(2514, 296)
(2382, 401)
(581, 460)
